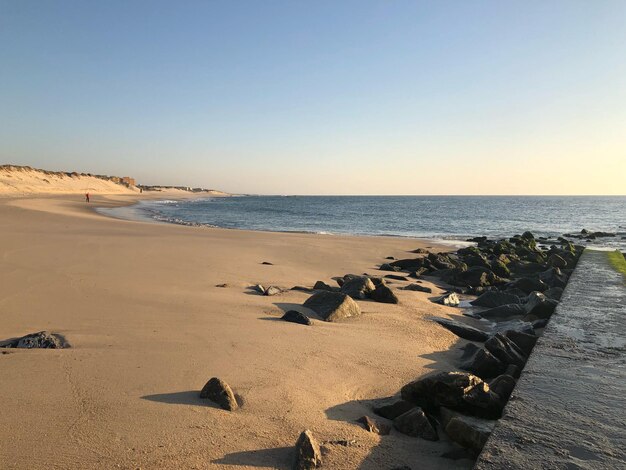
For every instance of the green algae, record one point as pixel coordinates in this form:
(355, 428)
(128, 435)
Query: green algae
(617, 260)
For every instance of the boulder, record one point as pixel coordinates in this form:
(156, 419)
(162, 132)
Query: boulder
(529, 284)
(372, 426)
(260, 289)
(469, 432)
(461, 329)
(524, 341)
(485, 365)
(541, 323)
(499, 268)
(494, 298)
(308, 454)
(332, 306)
(457, 390)
(384, 294)
(415, 423)
(39, 340)
(220, 393)
(503, 385)
(539, 305)
(503, 311)
(393, 410)
(357, 287)
(410, 264)
(388, 267)
(418, 288)
(505, 350)
(557, 261)
(554, 293)
(296, 317)
(321, 285)
(451, 299)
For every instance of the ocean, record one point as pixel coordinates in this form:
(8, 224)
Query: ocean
(450, 218)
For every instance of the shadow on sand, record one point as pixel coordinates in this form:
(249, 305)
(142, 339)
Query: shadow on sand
(190, 397)
(279, 457)
(396, 449)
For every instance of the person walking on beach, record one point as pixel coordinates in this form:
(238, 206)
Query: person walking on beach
(87, 197)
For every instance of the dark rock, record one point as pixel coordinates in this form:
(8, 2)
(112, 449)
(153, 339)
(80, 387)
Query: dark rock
(469, 432)
(393, 410)
(505, 350)
(469, 350)
(332, 306)
(308, 454)
(357, 287)
(503, 385)
(219, 392)
(553, 277)
(373, 426)
(462, 330)
(39, 340)
(494, 298)
(417, 273)
(390, 257)
(297, 317)
(539, 305)
(420, 251)
(320, 285)
(396, 277)
(260, 289)
(411, 264)
(529, 284)
(528, 236)
(221, 285)
(485, 365)
(499, 268)
(418, 288)
(267, 263)
(557, 261)
(513, 371)
(541, 323)
(388, 267)
(415, 423)
(451, 300)
(517, 292)
(554, 293)
(384, 294)
(523, 341)
(457, 390)
(476, 276)
(516, 324)
(503, 311)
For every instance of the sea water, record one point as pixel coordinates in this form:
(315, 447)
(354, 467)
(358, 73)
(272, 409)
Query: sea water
(433, 217)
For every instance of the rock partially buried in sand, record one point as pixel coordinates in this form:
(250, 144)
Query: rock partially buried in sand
(357, 287)
(308, 454)
(372, 426)
(493, 298)
(415, 423)
(384, 294)
(296, 317)
(393, 410)
(462, 330)
(471, 433)
(219, 392)
(332, 306)
(272, 290)
(40, 340)
(418, 288)
(321, 285)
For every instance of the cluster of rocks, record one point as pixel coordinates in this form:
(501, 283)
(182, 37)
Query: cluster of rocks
(518, 282)
(40, 340)
(589, 236)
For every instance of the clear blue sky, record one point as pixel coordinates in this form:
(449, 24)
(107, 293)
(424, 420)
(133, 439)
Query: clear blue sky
(320, 97)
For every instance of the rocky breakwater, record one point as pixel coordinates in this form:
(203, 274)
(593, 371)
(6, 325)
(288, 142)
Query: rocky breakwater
(514, 285)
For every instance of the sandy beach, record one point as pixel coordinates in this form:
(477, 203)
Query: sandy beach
(148, 327)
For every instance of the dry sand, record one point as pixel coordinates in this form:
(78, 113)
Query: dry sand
(148, 327)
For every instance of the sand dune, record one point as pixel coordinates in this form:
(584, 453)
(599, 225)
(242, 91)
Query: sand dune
(148, 327)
